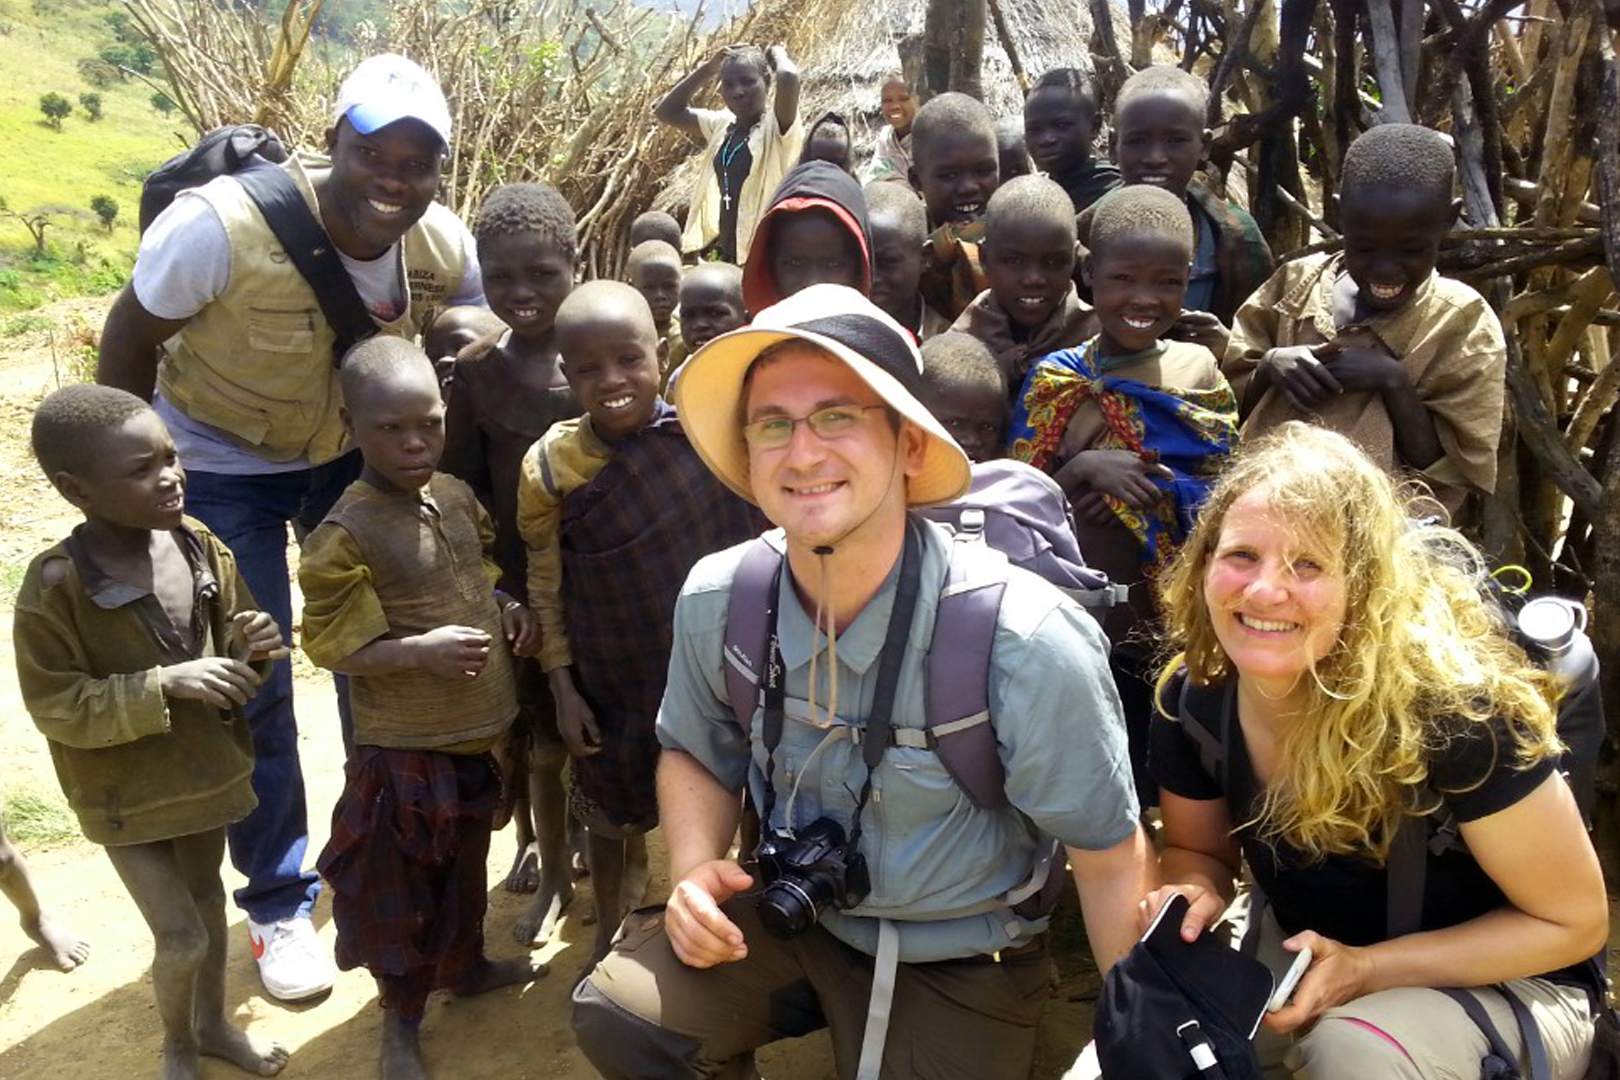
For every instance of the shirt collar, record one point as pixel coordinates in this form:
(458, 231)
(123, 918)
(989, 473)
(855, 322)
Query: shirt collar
(110, 593)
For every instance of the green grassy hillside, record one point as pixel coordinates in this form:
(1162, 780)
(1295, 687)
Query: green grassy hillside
(41, 44)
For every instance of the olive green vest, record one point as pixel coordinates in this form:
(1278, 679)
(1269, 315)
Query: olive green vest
(257, 363)
(426, 563)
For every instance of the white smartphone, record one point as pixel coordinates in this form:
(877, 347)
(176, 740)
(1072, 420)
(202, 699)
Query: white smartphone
(1285, 989)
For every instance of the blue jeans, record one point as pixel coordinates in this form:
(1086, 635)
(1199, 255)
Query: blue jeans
(250, 514)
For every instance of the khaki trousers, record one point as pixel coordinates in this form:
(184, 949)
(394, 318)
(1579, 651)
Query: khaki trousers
(642, 1013)
(1416, 1033)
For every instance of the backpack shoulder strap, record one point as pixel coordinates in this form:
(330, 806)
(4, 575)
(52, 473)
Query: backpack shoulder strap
(311, 251)
(746, 629)
(957, 700)
(1205, 713)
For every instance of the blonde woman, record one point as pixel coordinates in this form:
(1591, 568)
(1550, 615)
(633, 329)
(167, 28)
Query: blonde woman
(1363, 681)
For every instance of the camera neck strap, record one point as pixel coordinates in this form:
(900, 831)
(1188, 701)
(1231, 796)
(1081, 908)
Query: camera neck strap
(878, 724)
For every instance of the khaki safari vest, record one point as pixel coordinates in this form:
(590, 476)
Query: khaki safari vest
(257, 363)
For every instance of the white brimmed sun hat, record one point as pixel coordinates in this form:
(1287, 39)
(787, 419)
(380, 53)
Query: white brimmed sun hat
(708, 395)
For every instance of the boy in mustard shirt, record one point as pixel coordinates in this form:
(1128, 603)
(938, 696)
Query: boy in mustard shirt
(399, 594)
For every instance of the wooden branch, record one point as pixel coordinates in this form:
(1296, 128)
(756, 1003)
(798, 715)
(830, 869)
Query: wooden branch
(1527, 192)
(1010, 47)
(1540, 433)
(1386, 49)
(1236, 49)
(1607, 179)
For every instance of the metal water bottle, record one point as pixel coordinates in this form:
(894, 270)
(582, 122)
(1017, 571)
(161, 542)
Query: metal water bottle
(1555, 630)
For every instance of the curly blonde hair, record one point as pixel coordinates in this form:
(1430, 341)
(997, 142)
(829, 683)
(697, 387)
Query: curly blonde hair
(1420, 656)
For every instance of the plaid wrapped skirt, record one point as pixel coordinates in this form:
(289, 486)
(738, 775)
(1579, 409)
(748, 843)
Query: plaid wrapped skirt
(406, 865)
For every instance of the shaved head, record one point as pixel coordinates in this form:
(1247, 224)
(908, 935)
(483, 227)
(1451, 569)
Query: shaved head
(383, 361)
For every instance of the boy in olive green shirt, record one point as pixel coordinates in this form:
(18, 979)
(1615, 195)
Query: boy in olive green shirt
(136, 641)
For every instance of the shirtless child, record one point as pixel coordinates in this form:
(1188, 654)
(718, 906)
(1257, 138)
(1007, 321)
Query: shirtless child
(137, 644)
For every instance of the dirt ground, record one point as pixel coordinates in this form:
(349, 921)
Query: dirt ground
(99, 1021)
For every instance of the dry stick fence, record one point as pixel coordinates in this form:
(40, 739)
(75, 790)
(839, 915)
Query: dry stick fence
(1529, 90)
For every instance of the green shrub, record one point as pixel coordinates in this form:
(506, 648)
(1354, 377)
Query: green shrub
(92, 105)
(55, 107)
(106, 208)
(163, 103)
(98, 73)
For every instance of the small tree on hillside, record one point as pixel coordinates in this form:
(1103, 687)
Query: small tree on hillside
(92, 105)
(106, 209)
(163, 103)
(36, 221)
(55, 107)
(98, 73)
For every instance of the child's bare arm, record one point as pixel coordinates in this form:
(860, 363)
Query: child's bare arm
(452, 652)
(675, 107)
(786, 104)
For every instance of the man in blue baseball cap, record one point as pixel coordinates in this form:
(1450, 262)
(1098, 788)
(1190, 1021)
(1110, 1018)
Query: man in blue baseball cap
(232, 346)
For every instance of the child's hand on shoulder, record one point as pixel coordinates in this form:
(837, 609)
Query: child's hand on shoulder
(1360, 363)
(452, 652)
(220, 681)
(520, 626)
(1298, 373)
(255, 636)
(1124, 474)
(1201, 328)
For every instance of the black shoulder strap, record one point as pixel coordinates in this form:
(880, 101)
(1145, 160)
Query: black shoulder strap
(1535, 1050)
(1205, 713)
(310, 250)
(1406, 873)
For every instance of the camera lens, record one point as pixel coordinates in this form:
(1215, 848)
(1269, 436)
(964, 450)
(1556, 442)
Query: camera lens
(790, 906)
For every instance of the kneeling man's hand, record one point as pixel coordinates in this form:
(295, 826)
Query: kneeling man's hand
(698, 930)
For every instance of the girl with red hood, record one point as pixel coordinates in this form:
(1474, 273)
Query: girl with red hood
(815, 233)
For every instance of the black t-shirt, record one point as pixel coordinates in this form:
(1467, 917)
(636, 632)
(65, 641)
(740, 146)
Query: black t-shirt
(1341, 896)
(732, 164)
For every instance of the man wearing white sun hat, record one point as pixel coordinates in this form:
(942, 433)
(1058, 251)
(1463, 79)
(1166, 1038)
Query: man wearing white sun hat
(232, 345)
(907, 937)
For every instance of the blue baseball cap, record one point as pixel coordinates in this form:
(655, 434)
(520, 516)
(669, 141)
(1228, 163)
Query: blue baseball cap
(387, 88)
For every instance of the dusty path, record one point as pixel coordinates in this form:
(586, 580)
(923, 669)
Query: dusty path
(99, 1022)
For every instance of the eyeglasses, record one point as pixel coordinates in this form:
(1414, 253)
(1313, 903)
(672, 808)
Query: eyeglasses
(833, 422)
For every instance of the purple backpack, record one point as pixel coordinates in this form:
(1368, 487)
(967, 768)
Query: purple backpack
(1012, 514)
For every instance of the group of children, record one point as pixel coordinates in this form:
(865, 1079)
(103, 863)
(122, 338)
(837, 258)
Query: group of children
(499, 583)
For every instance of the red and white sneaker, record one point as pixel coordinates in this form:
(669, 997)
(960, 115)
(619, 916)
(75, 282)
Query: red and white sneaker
(292, 964)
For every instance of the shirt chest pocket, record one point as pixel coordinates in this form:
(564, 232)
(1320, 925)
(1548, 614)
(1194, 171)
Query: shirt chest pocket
(281, 330)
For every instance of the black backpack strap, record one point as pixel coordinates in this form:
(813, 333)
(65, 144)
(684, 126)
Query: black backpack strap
(747, 628)
(311, 251)
(1206, 714)
(1505, 1064)
(1406, 873)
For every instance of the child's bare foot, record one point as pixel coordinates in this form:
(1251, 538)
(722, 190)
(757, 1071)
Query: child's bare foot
(552, 898)
(494, 974)
(401, 1051)
(230, 1043)
(67, 949)
(525, 873)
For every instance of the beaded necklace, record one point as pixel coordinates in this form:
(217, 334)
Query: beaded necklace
(727, 153)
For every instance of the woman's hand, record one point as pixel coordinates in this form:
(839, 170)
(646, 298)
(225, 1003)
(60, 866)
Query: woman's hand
(1338, 973)
(1204, 907)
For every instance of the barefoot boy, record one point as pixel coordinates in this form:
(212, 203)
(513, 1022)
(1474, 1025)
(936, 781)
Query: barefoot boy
(136, 640)
(615, 508)
(654, 271)
(957, 167)
(1372, 342)
(1159, 138)
(899, 231)
(655, 225)
(1060, 123)
(1131, 425)
(399, 594)
(1031, 307)
(965, 389)
(507, 393)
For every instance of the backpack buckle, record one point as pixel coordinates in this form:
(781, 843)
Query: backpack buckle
(970, 523)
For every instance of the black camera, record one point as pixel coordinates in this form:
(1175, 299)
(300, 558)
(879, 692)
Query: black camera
(804, 874)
